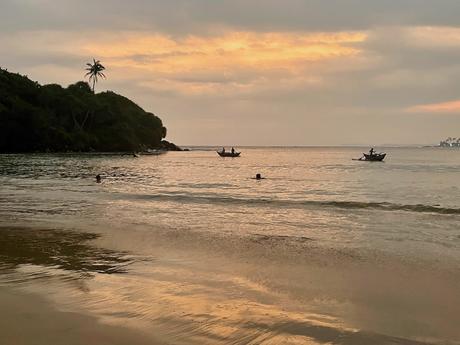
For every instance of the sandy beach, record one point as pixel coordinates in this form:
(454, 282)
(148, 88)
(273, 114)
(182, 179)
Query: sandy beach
(74, 287)
(30, 319)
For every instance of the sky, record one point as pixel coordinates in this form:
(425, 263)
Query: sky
(247, 72)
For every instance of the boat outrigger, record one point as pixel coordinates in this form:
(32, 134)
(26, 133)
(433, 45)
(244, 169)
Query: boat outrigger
(372, 156)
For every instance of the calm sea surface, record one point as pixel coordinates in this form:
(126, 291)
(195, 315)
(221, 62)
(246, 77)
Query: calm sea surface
(207, 254)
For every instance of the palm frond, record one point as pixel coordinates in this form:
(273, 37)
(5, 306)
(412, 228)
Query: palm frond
(94, 71)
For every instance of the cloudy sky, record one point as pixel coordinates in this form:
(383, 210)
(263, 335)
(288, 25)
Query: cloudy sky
(247, 72)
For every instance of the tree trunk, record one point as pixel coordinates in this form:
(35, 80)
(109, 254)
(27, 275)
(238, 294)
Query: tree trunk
(86, 118)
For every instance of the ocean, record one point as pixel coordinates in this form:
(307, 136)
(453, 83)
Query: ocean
(189, 248)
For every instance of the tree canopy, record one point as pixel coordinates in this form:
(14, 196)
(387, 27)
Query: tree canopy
(36, 118)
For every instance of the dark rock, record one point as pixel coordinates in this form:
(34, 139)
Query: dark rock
(168, 146)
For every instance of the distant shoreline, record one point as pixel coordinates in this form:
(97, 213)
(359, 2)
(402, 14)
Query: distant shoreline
(307, 146)
(86, 153)
(186, 148)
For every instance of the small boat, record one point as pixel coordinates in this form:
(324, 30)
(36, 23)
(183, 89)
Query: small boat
(229, 154)
(372, 156)
(151, 152)
(375, 157)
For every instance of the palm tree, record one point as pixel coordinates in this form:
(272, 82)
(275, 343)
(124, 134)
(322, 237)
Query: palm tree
(95, 71)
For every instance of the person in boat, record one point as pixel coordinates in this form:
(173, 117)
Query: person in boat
(371, 151)
(233, 151)
(98, 178)
(223, 150)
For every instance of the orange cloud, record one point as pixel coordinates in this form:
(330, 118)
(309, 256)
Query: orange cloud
(446, 107)
(260, 51)
(225, 63)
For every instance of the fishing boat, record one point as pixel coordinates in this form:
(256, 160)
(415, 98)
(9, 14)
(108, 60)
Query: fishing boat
(375, 157)
(228, 154)
(153, 152)
(372, 156)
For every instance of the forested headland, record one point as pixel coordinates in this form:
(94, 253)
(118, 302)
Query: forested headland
(52, 118)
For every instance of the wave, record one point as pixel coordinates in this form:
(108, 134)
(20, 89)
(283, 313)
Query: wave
(298, 204)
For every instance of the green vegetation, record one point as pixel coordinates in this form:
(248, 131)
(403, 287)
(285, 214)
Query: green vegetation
(50, 118)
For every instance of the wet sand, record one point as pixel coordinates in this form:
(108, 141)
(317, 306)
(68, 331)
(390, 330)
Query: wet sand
(29, 319)
(118, 287)
(32, 320)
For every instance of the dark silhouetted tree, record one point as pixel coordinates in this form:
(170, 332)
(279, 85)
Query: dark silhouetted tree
(95, 72)
(36, 117)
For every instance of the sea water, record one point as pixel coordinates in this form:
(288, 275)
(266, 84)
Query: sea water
(191, 245)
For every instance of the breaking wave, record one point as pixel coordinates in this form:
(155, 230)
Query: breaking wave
(295, 204)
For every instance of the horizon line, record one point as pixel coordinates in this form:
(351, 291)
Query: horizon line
(306, 146)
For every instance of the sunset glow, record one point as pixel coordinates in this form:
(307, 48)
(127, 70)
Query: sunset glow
(336, 76)
(238, 172)
(226, 53)
(446, 107)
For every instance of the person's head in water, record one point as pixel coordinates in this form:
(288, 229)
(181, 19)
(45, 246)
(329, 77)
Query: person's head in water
(98, 178)
(258, 176)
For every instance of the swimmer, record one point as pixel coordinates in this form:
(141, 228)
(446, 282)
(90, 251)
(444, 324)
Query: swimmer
(258, 177)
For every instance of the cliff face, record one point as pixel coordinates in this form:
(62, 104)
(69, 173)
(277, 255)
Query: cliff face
(52, 118)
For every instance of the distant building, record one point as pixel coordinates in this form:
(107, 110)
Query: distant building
(450, 142)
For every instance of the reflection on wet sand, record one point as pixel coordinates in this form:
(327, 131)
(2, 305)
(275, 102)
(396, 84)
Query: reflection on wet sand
(208, 307)
(180, 298)
(70, 251)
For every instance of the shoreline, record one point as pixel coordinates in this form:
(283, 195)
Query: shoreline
(188, 291)
(34, 320)
(31, 319)
(213, 148)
